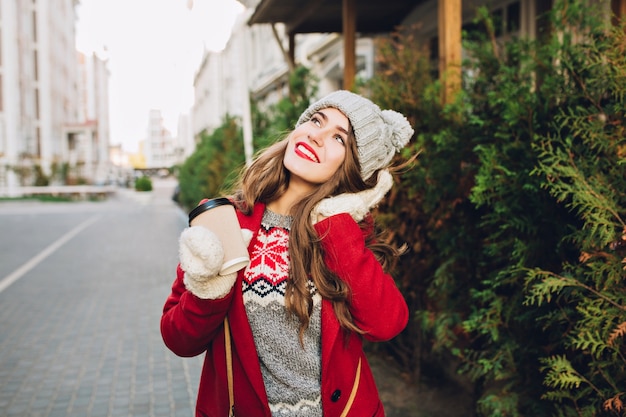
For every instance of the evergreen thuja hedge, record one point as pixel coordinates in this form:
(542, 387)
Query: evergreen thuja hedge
(515, 212)
(216, 161)
(582, 164)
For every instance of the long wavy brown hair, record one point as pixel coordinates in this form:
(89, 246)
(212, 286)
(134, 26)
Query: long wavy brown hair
(264, 181)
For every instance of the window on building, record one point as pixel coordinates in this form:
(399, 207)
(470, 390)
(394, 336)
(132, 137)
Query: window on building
(71, 141)
(35, 65)
(34, 15)
(37, 103)
(506, 21)
(513, 17)
(38, 144)
(507, 18)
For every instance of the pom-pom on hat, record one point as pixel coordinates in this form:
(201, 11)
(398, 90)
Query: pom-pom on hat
(379, 133)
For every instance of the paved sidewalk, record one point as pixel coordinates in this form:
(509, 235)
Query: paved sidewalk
(79, 327)
(79, 324)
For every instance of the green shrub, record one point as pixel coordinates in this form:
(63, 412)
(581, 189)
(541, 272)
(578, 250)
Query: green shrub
(515, 213)
(550, 183)
(216, 160)
(41, 179)
(143, 183)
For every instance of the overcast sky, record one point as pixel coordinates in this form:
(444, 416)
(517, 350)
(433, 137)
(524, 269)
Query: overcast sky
(154, 48)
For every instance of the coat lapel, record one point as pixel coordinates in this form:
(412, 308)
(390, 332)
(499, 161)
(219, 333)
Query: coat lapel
(330, 333)
(243, 341)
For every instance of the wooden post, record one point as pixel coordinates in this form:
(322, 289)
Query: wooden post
(289, 54)
(349, 43)
(450, 18)
(618, 9)
(292, 50)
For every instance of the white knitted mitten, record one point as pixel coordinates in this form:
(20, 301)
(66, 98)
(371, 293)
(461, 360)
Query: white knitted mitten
(201, 256)
(356, 204)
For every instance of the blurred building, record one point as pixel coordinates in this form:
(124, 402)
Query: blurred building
(53, 106)
(160, 149)
(208, 108)
(88, 140)
(270, 33)
(254, 65)
(184, 137)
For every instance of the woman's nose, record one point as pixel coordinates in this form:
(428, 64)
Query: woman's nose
(317, 138)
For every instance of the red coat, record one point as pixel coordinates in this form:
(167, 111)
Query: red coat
(191, 326)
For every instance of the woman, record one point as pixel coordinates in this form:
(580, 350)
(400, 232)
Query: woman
(315, 285)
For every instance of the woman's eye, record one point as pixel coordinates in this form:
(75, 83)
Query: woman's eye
(339, 139)
(316, 121)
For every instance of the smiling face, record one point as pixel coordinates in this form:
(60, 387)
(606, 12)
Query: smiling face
(317, 148)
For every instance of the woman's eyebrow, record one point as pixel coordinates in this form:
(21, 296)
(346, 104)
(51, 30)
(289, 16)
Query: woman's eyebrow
(319, 112)
(340, 128)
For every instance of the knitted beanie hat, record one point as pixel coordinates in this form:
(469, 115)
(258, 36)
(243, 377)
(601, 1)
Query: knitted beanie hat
(379, 133)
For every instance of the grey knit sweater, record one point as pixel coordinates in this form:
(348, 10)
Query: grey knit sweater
(291, 372)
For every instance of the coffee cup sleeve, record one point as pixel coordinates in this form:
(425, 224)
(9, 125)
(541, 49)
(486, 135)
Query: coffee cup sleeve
(201, 256)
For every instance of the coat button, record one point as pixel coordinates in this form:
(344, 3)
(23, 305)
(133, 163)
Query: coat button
(335, 396)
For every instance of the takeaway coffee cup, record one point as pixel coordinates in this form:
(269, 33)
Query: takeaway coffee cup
(218, 215)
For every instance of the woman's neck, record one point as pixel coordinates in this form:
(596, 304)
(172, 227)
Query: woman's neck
(281, 205)
(284, 203)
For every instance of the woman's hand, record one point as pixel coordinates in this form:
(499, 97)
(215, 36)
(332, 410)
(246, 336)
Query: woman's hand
(201, 256)
(356, 204)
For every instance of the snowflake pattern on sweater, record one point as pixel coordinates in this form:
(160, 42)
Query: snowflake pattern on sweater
(267, 272)
(291, 372)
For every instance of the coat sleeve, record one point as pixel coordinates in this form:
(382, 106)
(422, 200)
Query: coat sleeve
(189, 323)
(377, 305)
